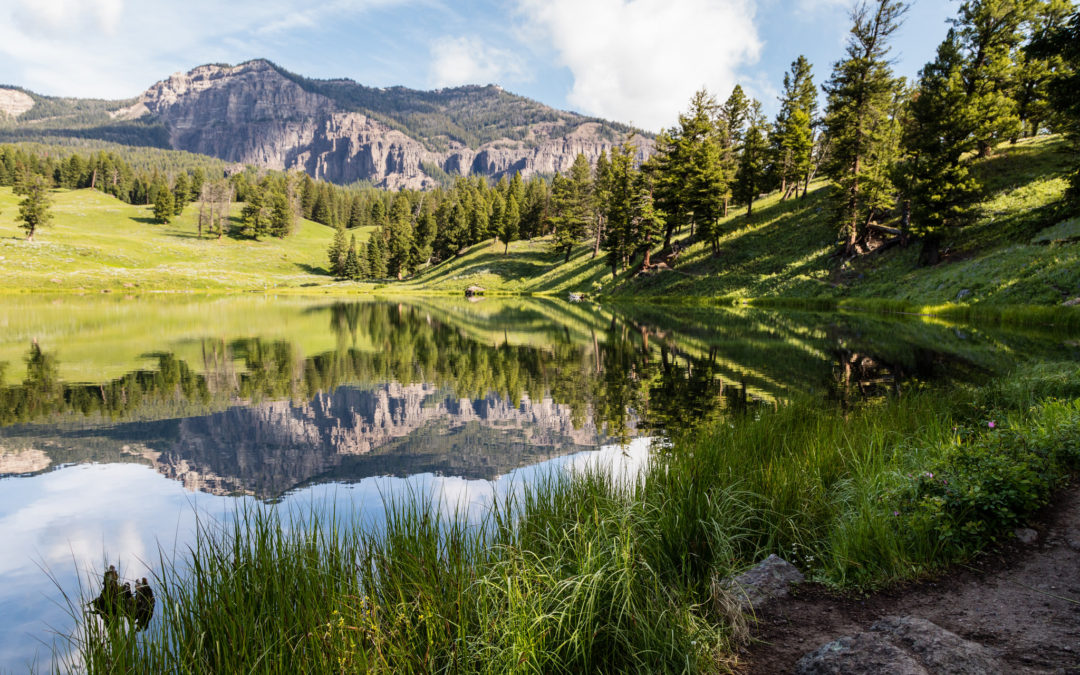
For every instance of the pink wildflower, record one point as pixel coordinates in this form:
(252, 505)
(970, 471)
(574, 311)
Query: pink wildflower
(991, 424)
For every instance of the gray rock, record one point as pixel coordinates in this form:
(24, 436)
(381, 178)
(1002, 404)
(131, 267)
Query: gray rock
(862, 653)
(964, 293)
(254, 114)
(1072, 303)
(904, 645)
(1026, 535)
(768, 580)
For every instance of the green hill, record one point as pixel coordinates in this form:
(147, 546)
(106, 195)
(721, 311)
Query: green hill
(1021, 248)
(98, 242)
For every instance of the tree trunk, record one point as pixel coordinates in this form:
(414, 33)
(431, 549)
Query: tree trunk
(648, 256)
(905, 222)
(726, 199)
(596, 246)
(931, 252)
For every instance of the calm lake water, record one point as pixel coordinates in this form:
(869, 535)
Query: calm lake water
(124, 420)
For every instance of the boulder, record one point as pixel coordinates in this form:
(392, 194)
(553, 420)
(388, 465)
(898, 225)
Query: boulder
(963, 294)
(768, 580)
(904, 645)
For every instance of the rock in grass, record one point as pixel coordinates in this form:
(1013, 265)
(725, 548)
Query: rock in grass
(768, 580)
(903, 645)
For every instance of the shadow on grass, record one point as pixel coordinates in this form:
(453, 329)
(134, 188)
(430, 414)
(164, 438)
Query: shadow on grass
(313, 269)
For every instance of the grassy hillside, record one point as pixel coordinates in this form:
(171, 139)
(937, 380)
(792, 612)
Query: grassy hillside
(98, 242)
(1022, 248)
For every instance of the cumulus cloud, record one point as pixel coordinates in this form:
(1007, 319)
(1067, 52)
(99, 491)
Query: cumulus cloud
(469, 60)
(640, 61)
(117, 48)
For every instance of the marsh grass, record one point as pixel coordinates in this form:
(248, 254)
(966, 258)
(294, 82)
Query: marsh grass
(586, 572)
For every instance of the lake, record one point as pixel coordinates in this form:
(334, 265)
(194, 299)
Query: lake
(124, 420)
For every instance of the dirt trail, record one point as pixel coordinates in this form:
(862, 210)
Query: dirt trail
(1021, 601)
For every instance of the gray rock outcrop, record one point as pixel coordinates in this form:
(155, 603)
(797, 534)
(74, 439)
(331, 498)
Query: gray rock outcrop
(254, 113)
(901, 646)
(768, 580)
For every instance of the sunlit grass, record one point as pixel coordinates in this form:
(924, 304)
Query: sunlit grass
(583, 573)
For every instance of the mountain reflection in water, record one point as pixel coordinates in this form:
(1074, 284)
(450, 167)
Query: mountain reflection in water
(123, 421)
(412, 388)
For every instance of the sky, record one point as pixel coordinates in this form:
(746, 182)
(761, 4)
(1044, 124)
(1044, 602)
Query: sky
(632, 61)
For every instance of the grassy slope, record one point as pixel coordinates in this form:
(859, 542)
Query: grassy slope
(786, 249)
(98, 242)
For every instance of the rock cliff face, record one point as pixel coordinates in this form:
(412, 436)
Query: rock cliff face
(255, 113)
(269, 449)
(14, 102)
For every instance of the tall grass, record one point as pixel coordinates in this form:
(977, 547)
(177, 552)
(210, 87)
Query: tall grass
(583, 572)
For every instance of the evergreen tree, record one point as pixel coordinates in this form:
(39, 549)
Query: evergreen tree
(571, 207)
(164, 208)
(988, 32)
(750, 178)
(938, 131)
(282, 215)
(376, 251)
(691, 183)
(793, 137)
(255, 216)
(399, 237)
(351, 267)
(35, 207)
(181, 193)
(423, 238)
(337, 252)
(1064, 89)
(509, 227)
(1034, 72)
(861, 93)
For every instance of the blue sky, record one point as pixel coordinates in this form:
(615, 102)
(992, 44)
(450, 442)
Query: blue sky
(635, 61)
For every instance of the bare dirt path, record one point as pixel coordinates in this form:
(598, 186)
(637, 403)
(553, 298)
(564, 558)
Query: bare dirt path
(1021, 601)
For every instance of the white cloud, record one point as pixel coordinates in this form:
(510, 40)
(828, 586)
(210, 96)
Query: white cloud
(640, 61)
(469, 60)
(117, 48)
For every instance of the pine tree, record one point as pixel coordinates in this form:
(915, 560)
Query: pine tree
(1035, 71)
(691, 184)
(34, 209)
(337, 252)
(181, 193)
(255, 216)
(938, 131)
(282, 215)
(750, 178)
(399, 237)
(793, 137)
(511, 221)
(164, 208)
(988, 32)
(423, 238)
(571, 207)
(860, 93)
(351, 267)
(376, 250)
(1064, 89)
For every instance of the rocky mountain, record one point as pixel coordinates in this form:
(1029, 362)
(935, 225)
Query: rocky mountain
(336, 130)
(341, 436)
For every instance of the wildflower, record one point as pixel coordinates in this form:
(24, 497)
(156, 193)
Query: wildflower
(896, 513)
(991, 424)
